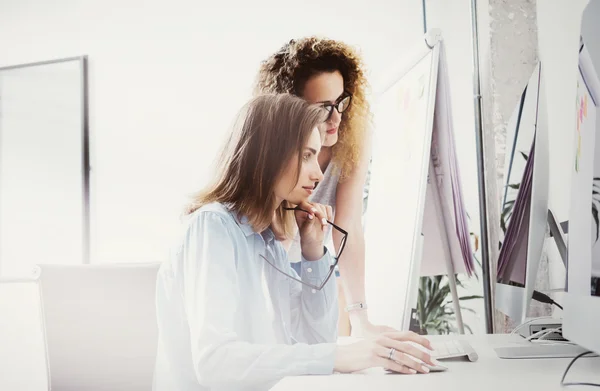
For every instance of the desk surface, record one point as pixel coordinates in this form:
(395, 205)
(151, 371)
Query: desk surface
(489, 373)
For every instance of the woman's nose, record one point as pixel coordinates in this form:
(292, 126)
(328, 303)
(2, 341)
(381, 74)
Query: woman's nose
(317, 174)
(336, 117)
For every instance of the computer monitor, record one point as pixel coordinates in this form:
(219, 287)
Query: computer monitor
(581, 319)
(522, 246)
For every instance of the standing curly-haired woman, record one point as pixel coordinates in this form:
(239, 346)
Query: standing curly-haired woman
(332, 74)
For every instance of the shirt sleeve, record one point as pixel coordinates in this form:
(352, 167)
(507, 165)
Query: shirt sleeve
(211, 297)
(314, 313)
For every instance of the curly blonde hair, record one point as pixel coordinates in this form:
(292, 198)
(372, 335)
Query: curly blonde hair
(288, 70)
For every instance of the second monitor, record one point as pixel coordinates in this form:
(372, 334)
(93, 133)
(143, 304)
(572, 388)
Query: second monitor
(525, 207)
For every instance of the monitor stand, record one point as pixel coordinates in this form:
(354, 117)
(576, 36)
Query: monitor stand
(551, 349)
(528, 349)
(554, 347)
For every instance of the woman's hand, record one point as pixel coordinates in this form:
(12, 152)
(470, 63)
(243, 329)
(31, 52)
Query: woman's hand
(312, 227)
(375, 352)
(363, 328)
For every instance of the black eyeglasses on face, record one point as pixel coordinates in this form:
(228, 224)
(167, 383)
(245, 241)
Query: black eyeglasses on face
(331, 268)
(341, 105)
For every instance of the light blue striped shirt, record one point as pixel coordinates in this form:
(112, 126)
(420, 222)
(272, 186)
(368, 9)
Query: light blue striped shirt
(229, 321)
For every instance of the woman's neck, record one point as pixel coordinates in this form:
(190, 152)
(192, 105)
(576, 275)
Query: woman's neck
(275, 226)
(278, 202)
(325, 157)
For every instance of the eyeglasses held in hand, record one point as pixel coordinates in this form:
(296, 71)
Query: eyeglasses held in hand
(331, 268)
(341, 105)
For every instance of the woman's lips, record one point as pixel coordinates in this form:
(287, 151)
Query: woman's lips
(308, 189)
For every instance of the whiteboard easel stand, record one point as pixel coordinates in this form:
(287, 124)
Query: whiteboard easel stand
(400, 68)
(440, 212)
(433, 37)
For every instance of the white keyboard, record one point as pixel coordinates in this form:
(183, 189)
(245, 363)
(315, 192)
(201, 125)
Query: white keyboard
(453, 348)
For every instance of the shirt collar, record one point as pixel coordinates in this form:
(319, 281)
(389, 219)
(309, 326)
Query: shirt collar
(244, 224)
(268, 236)
(247, 229)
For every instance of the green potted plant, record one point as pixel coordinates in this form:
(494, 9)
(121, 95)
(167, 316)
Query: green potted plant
(435, 310)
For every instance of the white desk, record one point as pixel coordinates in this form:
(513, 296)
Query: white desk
(489, 373)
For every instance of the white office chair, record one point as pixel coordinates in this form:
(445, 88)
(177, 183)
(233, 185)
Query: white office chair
(23, 350)
(100, 325)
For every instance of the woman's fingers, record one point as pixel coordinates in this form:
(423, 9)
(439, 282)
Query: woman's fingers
(323, 212)
(409, 336)
(307, 213)
(329, 212)
(308, 207)
(411, 350)
(317, 210)
(391, 365)
(401, 358)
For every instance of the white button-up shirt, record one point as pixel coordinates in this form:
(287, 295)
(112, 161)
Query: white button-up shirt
(229, 321)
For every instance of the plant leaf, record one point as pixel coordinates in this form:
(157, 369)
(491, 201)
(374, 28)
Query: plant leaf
(506, 214)
(476, 240)
(435, 312)
(595, 215)
(472, 297)
(471, 310)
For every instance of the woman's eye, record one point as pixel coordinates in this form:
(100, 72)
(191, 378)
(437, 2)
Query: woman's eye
(306, 157)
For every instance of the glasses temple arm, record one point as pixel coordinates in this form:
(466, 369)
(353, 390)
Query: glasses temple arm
(333, 224)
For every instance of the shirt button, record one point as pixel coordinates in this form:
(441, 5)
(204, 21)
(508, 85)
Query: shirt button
(314, 291)
(309, 270)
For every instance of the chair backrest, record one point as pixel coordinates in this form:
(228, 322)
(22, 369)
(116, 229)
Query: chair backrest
(23, 350)
(100, 325)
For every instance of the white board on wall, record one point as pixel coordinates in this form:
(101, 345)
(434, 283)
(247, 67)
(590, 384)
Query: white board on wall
(43, 211)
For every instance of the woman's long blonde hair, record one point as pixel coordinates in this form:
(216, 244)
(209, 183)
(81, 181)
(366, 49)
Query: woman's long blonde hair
(288, 70)
(269, 130)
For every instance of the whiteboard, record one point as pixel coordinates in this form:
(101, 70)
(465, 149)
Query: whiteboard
(401, 146)
(43, 167)
(445, 229)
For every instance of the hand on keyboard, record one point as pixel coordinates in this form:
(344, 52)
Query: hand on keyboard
(403, 352)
